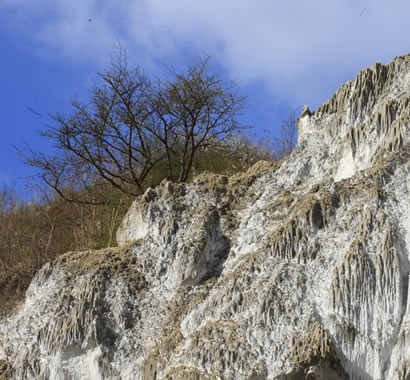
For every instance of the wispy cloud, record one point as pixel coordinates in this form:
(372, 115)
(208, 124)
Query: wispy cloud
(299, 50)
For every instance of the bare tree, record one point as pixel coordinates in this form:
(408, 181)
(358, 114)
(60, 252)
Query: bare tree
(111, 139)
(131, 126)
(283, 145)
(201, 110)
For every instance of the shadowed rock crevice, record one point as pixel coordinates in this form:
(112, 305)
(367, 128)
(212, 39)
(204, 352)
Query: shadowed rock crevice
(297, 269)
(6, 370)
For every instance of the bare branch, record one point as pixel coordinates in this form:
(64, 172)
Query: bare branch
(132, 127)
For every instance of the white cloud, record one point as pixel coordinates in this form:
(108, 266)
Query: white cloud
(299, 50)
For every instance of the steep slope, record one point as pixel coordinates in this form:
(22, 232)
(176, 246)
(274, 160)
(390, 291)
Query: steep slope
(293, 270)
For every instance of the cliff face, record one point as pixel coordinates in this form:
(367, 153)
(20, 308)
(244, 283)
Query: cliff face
(293, 270)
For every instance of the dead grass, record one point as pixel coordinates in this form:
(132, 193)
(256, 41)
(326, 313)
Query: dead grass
(32, 234)
(36, 232)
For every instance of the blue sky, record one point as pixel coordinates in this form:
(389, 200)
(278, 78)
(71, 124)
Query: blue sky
(284, 54)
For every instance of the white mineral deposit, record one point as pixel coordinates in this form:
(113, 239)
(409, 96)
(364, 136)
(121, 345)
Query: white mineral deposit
(297, 269)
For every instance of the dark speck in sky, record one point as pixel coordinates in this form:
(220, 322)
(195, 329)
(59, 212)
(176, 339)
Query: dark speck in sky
(35, 112)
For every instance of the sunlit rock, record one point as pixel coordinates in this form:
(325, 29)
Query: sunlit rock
(297, 269)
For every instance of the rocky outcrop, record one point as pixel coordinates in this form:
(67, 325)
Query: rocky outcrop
(297, 269)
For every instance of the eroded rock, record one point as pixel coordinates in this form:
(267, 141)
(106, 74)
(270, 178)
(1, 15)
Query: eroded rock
(297, 269)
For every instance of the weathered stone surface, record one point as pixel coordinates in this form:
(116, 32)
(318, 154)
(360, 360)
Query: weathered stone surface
(293, 270)
(6, 370)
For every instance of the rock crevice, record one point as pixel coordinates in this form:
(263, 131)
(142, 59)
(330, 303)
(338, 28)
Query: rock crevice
(297, 269)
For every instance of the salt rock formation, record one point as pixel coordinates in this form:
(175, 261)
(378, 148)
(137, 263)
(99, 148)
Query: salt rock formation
(297, 269)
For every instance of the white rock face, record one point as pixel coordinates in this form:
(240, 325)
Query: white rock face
(293, 270)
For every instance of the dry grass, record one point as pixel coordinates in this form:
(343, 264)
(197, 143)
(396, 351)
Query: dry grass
(36, 232)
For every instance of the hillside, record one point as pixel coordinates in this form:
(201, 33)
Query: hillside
(292, 270)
